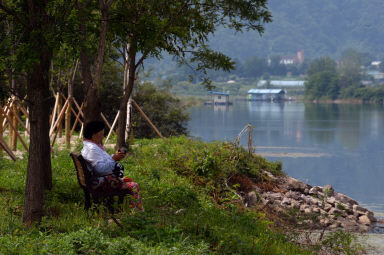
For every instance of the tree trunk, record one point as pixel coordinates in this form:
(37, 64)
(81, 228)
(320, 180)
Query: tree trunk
(122, 121)
(92, 106)
(39, 173)
(92, 83)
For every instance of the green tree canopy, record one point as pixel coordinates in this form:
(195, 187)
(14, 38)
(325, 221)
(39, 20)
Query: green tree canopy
(322, 81)
(321, 65)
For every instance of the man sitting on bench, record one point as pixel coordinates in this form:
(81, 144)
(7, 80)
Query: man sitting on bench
(107, 173)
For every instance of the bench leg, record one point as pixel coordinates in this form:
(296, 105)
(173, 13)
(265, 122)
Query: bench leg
(87, 203)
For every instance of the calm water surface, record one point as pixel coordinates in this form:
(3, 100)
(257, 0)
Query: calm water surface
(341, 145)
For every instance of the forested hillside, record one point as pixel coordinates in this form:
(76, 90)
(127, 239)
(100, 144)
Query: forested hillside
(319, 27)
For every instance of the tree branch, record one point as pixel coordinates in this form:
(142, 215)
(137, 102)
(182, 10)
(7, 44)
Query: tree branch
(166, 27)
(11, 12)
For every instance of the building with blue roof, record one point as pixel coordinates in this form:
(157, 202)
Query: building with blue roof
(219, 98)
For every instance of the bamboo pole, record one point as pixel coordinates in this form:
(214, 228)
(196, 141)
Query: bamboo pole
(59, 117)
(22, 124)
(53, 116)
(78, 107)
(148, 120)
(8, 112)
(106, 121)
(113, 126)
(12, 135)
(77, 120)
(68, 123)
(60, 124)
(26, 122)
(81, 131)
(8, 150)
(1, 129)
(11, 126)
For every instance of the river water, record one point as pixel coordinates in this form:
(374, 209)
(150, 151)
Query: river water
(341, 145)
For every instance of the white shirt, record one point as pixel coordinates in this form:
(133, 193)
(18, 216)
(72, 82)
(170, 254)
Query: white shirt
(100, 160)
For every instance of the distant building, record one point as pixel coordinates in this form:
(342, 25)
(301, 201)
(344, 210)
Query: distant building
(277, 83)
(293, 60)
(376, 64)
(266, 94)
(377, 75)
(219, 98)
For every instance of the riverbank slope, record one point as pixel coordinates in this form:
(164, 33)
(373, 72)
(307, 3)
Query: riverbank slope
(194, 196)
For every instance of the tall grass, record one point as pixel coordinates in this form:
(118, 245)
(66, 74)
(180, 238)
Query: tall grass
(188, 207)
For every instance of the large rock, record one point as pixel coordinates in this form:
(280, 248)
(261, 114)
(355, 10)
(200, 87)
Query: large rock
(331, 200)
(364, 220)
(250, 199)
(345, 199)
(295, 185)
(359, 210)
(286, 201)
(293, 195)
(315, 190)
(371, 217)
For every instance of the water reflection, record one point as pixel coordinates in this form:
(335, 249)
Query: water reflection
(300, 135)
(321, 122)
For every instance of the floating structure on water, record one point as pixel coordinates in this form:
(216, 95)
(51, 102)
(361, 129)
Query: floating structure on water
(219, 98)
(266, 95)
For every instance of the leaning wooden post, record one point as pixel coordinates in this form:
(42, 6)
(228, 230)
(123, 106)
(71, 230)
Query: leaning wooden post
(148, 120)
(8, 150)
(59, 118)
(13, 127)
(26, 122)
(14, 123)
(1, 129)
(53, 116)
(77, 119)
(68, 123)
(113, 126)
(250, 148)
(59, 108)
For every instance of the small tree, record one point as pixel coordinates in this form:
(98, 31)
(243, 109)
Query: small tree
(322, 81)
(165, 111)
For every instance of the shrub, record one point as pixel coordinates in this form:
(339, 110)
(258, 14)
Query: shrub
(164, 110)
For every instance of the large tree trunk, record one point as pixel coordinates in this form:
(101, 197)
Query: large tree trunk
(39, 173)
(122, 121)
(92, 83)
(92, 106)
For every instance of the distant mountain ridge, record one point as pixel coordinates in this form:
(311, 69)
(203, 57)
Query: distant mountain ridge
(319, 27)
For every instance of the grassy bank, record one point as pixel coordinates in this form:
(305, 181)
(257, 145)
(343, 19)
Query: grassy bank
(191, 206)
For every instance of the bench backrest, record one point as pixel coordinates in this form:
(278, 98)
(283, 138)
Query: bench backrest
(83, 175)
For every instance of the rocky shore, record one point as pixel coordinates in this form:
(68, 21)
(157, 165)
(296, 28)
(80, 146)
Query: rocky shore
(315, 206)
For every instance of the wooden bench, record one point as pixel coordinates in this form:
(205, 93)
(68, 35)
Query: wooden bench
(97, 195)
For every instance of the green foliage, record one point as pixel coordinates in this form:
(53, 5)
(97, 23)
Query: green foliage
(342, 243)
(180, 215)
(164, 110)
(324, 64)
(322, 85)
